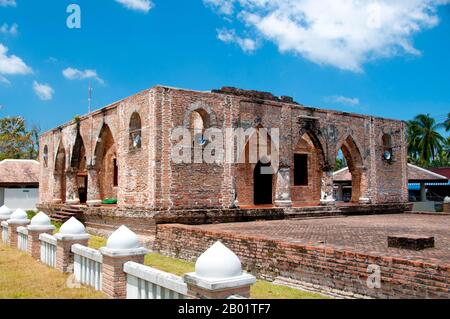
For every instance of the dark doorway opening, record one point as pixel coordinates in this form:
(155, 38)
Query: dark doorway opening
(262, 185)
(82, 188)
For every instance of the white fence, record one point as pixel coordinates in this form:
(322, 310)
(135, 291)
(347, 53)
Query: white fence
(48, 249)
(144, 282)
(22, 238)
(5, 232)
(88, 266)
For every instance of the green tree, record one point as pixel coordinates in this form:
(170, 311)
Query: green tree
(447, 123)
(16, 142)
(424, 140)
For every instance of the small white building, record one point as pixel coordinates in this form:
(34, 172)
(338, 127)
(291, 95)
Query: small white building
(19, 183)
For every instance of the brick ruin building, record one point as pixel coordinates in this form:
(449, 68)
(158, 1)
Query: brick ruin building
(122, 152)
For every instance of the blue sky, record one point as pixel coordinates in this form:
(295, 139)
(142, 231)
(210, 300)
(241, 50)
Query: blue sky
(324, 56)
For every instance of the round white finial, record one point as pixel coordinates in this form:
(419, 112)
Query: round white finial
(40, 219)
(5, 211)
(447, 200)
(123, 238)
(19, 214)
(218, 262)
(72, 227)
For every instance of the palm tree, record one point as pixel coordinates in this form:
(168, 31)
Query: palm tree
(447, 123)
(424, 141)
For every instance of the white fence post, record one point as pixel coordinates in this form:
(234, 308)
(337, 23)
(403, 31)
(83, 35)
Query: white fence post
(40, 224)
(218, 275)
(17, 219)
(5, 214)
(122, 246)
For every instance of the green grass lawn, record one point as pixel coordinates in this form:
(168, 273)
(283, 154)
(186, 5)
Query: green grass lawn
(261, 290)
(22, 277)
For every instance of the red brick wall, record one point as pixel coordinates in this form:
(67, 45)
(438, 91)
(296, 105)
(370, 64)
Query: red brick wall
(332, 268)
(148, 178)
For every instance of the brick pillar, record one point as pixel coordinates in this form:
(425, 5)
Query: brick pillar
(218, 275)
(17, 219)
(13, 224)
(40, 224)
(447, 205)
(122, 246)
(57, 188)
(283, 191)
(71, 232)
(72, 197)
(34, 244)
(93, 192)
(327, 191)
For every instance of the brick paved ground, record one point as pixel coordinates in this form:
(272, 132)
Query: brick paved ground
(367, 234)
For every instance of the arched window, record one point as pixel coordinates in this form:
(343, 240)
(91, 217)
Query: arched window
(387, 147)
(135, 131)
(197, 127)
(45, 156)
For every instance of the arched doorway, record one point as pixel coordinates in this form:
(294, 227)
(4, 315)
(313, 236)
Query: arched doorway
(106, 164)
(59, 189)
(262, 184)
(349, 154)
(255, 182)
(79, 166)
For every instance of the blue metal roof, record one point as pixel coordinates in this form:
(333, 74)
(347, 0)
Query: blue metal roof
(416, 186)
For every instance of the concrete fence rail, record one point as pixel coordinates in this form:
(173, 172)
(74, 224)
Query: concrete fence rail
(48, 249)
(145, 282)
(88, 266)
(5, 232)
(22, 238)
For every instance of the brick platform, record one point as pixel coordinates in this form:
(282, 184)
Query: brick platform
(410, 242)
(333, 253)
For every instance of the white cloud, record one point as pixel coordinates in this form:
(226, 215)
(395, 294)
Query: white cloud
(347, 101)
(75, 74)
(8, 3)
(137, 5)
(11, 65)
(342, 33)
(43, 91)
(9, 30)
(4, 80)
(229, 36)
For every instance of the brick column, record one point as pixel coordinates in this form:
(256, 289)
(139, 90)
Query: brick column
(40, 224)
(283, 190)
(93, 192)
(447, 205)
(71, 232)
(57, 188)
(327, 192)
(122, 246)
(72, 197)
(18, 218)
(218, 275)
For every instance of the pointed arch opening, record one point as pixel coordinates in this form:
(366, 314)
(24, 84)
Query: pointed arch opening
(79, 165)
(307, 170)
(255, 178)
(350, 155)
(59, 189)
(106, 164)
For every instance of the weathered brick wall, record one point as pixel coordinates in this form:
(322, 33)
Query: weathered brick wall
(149, 179)
(332, 268)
